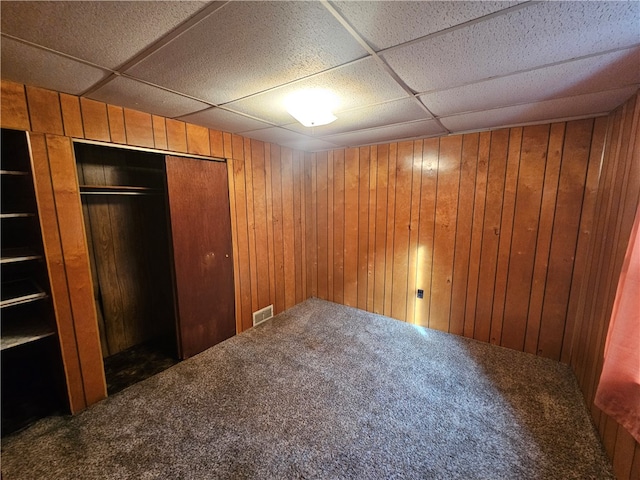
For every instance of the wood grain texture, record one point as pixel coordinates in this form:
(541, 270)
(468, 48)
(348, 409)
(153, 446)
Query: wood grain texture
(44, 111)
(216, 142)
(71, 116)
(463, 232)
(445, 231)
(176, 135)
(364, 181)
(602, 239)
(203, 253)
(322, 236)
(242, 234)
(198, 141)
(139, 128)
(13, 102)
(234, 239)
(130, 254)
(76, 258)
(159, 132)
(116, 124)
(95, 120)
(57, 274)
(402, 222)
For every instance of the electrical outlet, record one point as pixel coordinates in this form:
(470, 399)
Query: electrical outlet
(420, 293)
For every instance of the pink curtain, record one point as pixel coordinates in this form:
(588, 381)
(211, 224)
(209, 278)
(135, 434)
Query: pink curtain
(618, 393)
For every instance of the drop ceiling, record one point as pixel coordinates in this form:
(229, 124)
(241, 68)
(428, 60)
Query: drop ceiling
(401, 69)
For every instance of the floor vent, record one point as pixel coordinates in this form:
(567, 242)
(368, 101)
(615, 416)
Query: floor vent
(263, 314)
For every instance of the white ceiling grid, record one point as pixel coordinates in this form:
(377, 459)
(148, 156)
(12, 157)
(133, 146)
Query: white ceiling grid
(229, 65)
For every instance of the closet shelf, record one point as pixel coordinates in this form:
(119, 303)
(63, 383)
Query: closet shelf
(117, 190)
(16, 255)
(20, 333)
(14, 172)
(17, 215)
(19, 292)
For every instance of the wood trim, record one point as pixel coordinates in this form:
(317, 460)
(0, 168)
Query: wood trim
(57, 272)
(76, 257)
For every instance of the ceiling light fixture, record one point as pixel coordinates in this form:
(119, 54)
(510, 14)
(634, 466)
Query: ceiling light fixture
(313, 107)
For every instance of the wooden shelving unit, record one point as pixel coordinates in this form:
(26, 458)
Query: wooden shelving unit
(30, 355)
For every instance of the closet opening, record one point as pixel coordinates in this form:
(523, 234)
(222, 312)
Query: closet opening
(127, 225)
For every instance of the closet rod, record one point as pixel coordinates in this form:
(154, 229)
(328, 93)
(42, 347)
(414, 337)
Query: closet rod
(118, 190)
(109, 192)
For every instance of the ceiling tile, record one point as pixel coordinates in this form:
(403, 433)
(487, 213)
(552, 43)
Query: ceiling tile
(140, 96)
(548, 110)
(423, 128)
(604, 72)
(398, 111)
(539, 34)
(248, 47)
(385, 24)
(360, 83)
(220, 119)
(106, 33)
(290, 139)
(32, 66)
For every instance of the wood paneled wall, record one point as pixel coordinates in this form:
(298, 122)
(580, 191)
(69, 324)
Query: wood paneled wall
(605, 243)
(267, 209)
(486, 224)
(509, 233)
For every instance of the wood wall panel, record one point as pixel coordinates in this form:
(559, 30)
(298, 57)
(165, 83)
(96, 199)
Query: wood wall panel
(603, 236)
(138, 127)
(447, 188)
(95, 120)
(45, 111)
(57, 273)
(14, 113)
(198, 141)
(463, 231)
(73, 240)
(485, 224)
(71, 116)
(176, 135)
(116, 124)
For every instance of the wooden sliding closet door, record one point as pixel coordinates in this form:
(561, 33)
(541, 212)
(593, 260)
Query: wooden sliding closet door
(202, 250)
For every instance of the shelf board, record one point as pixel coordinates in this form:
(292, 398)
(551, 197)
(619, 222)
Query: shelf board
(117, 190)
(17, 215)
(20, 292)
(14, 172)
(30, 330)
(15, 255)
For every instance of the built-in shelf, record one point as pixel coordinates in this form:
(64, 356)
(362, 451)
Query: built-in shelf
(17, 215)
(20, 292)
(14, 172)
(16, 255)
(21, 333)
(117, 190)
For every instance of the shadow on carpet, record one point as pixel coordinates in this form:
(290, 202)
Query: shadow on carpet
(326, 391)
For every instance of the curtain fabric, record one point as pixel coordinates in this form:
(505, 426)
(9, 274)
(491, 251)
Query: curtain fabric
(618, 393)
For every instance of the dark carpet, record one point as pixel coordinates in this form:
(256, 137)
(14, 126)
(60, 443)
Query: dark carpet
(328, 392)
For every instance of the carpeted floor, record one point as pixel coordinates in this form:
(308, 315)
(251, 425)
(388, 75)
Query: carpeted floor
(328, 392)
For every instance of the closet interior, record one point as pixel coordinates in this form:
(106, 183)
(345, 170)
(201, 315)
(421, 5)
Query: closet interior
(127, 226)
